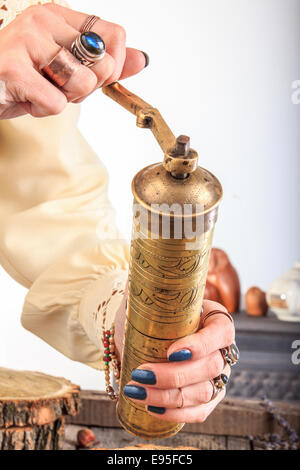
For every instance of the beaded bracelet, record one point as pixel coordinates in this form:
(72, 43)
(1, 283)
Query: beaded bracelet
(110, 359)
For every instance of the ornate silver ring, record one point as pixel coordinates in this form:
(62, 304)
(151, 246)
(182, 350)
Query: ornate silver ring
(219, 383)
(231, 354)
(88, 48)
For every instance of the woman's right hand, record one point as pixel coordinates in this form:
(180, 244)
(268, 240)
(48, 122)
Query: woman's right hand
(31, 41)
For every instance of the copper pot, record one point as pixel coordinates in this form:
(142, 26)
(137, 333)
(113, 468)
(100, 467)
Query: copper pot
(222, 283)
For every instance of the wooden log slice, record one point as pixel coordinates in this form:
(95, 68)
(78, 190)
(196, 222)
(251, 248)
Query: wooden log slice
(47, 437)
(147, 447)
(35, 399)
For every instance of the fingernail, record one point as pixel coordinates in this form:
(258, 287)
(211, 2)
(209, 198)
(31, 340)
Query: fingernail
(147, 59)
(133, 391)
(156, 409)
(178, 356)
(143, 376)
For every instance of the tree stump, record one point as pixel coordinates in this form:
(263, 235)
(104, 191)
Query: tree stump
(32, 409)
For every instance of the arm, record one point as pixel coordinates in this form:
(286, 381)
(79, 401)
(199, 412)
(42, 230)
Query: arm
(57, 231)
(53, 239)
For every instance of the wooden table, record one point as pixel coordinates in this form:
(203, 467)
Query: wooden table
(227, 428)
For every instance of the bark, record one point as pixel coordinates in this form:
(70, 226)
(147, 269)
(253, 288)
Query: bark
(35, 399)
(47, 437)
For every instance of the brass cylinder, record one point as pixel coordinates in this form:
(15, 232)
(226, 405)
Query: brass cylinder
(167, 279)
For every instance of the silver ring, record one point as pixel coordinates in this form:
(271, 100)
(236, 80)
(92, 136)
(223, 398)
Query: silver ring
(182, 399)
(231, 354)
(88, 48)
(89, 23)
(216, 390)
(220, 382)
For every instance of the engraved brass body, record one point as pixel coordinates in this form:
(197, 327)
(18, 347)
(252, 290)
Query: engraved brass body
(167, 275)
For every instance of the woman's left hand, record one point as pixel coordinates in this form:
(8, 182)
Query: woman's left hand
(34, 38)
(181, 389)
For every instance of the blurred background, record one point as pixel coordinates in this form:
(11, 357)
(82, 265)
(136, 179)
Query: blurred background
(221, 72)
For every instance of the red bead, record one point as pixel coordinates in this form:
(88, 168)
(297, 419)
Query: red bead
(106, 351)
(107, 332)
(106, 344)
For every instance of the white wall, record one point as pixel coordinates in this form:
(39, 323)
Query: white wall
(221, 72)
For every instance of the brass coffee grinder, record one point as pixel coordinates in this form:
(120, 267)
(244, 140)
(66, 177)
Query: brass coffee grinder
(175, 210)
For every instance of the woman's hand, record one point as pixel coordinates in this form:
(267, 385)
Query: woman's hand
(181, 390)
(30, 42)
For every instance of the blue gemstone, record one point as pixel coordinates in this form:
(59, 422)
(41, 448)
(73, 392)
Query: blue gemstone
(93, 43)
(225, 379)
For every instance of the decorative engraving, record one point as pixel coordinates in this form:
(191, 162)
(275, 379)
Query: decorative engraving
(169, 268)
(164, 299)
(166, 286)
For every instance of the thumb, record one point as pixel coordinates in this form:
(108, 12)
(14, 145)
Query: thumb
(135, 62)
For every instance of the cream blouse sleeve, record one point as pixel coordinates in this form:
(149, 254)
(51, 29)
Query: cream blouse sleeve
(57, 232)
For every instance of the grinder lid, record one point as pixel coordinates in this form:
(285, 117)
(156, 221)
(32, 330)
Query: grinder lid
(178, 181)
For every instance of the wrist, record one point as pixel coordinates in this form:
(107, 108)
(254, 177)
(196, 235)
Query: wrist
(120, 321)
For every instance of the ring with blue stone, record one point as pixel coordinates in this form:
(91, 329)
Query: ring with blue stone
(88, 48)
(221, 381)
(218, 384)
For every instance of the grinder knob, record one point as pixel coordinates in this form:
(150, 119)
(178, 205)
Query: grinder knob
(181, 160)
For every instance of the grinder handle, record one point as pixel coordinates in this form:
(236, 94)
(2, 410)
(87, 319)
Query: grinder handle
(125, 98)
(147, 116)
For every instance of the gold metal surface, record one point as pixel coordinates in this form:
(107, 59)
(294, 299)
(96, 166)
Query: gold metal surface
(147, 116)
(155, 185)
(167, 275)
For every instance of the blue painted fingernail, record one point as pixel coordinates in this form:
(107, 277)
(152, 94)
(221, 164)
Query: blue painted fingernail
(178, 356)
(156, 409)
(143, 376)
(133, 391)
